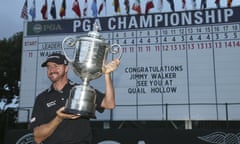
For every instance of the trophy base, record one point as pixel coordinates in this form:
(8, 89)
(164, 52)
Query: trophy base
(81, 101)
(80, 113)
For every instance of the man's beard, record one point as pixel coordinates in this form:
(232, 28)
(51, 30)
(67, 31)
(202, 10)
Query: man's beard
(55, 76)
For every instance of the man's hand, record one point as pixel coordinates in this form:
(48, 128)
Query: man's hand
(62, 115)
(110, 67)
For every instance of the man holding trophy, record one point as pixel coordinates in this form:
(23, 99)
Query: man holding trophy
(61, 113)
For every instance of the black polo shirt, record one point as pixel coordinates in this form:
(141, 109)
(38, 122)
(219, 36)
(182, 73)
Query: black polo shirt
(69, 131)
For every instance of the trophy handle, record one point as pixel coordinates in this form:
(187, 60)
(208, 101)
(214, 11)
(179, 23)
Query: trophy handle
(115, 48)
(71, 42)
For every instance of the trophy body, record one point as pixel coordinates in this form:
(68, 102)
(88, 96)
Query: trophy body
(89, 57)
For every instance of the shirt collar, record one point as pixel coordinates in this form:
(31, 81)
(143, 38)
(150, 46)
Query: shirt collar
(51, 88)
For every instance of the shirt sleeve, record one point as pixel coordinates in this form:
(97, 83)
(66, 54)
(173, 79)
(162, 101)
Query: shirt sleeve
(37, 117)
(99, 100)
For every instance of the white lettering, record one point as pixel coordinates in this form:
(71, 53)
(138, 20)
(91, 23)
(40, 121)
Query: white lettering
(122, 23)
(227, 13)
(111, 23)
(76, 24)
(86, 25)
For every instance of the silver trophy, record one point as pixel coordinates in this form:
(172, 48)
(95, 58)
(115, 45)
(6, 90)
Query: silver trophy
(90, 55)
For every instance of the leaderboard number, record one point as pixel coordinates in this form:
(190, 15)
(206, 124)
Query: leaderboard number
(139, 49)
(30, 54)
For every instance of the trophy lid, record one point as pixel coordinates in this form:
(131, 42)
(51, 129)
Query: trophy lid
(95, 33)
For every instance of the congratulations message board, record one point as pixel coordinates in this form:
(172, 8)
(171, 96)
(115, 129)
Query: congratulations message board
(175, 66)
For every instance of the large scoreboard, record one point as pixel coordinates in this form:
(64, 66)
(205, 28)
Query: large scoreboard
(175, 66)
